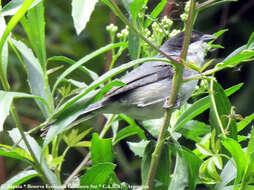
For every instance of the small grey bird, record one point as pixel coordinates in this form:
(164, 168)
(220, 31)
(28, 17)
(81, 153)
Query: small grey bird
(149, 85)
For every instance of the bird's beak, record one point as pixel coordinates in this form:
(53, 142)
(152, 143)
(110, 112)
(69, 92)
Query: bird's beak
(207, 37)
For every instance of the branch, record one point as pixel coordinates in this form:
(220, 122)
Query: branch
(177, 80)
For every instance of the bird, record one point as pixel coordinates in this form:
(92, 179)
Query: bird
(148, 86)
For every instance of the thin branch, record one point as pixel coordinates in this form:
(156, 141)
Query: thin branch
(177, 80)
(37, 164)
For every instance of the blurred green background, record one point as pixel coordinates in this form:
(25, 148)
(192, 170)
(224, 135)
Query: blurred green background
(61, 39)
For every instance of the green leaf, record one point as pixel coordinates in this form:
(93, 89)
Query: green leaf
(11, 24)
(156, 11)
(194, 163)
(13, 6)
(97, 176)
(214, 3)
(19, 179)
(101, 150)
(250, 43)
(250, 147)
(136, 7)
(17, 139)
(87, 71)
(162, 177)
(244, 123)
(133, 47)
(81, 12)
(34, 25)
(199, 107)
(219, 33)
(138, 148)
(84, 60)
(211, 169)
(83, 144)
(16, 153)
(6, 99)
(220, 112)
(35, 74)
(153, 126)
(4, 55)
(204, 150)
(128, 131)
(238, 155)
(67, 117)
(249, 172)
(194, 129)
(180, 175)
(74, 137)
(238, 58)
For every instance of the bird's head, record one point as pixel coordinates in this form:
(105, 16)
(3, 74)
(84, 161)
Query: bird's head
(196, 50)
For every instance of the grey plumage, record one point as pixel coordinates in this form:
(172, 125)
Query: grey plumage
(149, 85)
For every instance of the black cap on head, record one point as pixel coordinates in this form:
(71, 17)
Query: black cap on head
(176, 42)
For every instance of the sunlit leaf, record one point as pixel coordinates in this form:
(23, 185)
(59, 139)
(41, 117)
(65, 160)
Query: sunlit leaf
(19, 179)
(6, 99)
(35, 74)
(97, 175)
(101, 150)
(81, 12)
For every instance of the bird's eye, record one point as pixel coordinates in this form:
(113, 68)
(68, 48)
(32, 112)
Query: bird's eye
(193, 36)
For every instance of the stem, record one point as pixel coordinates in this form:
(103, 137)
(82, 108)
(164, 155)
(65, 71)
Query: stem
(177, 80)
(37, 164)
(88, 156)
(159, 145)
(215, 109)
(49, 95)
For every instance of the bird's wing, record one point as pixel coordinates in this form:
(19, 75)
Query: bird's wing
(148, 72)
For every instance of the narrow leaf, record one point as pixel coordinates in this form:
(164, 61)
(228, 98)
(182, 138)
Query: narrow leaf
(13, 6)
(87, 71)
(128, 131)
(220, 112)
(34, 25)
(238, 155)
(17, 139)
(244, 123)
(6, 99)
(200, 106)
(19, 179)
(156, 11)
(4, 52)
(84, 60)
(34, 72)
(180, 175)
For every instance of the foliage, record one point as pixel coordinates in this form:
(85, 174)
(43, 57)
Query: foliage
(219, 160)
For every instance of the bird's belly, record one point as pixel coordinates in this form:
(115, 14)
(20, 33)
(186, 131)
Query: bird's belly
(146, 102)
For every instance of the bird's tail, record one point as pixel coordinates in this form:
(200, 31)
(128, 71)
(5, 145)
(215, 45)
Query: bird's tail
(85, 115)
